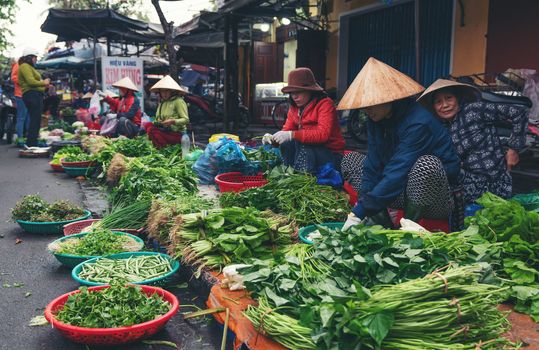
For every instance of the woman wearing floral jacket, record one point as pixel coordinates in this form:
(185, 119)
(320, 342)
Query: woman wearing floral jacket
(485, 162)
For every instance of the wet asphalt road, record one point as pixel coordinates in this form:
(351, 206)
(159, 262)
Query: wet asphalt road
(29, 263)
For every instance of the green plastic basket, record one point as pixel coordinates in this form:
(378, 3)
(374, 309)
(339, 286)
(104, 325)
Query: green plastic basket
(73, 260)
(304, 231)
(158, 281)
(49, 228)
(74, 172)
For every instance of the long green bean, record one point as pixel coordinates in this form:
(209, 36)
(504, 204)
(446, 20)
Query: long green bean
(133, 269)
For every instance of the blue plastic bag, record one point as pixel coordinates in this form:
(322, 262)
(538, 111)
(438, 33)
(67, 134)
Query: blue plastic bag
(206, 167)
(230, 157)
(328, 175)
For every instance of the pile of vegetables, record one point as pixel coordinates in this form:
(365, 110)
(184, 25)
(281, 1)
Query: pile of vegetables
(517, 232)
(155, 176)
(65, 152)
(34, 208)
(79, 157)
(296, 195)
(261, 154)
(117, 306)
(60, 124)
(96, 243)
(133, 269)
(230, 235)
(444, 310)
(163, 214)
(449, 310)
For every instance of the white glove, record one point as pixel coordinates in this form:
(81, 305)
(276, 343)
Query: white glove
(267, 139)
(282, 136)
(352, 220)
(111, 115)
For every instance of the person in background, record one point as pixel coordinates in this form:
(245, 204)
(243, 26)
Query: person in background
(23, 118)
(126, 109)
(311, 136)
(52, 100)
(32, 87)
(410, 161)
(171, 118)
(485, 161)
(79, 101)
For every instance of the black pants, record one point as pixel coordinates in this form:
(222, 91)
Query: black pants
(308, 158)
(34, 102)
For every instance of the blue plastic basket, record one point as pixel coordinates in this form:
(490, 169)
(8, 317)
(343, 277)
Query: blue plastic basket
(73, 260)
(74, 172)
(157, 281)
(48, 228)
(304, 231)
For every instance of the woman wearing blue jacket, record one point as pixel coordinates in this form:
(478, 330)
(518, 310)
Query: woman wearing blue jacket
(410, 162)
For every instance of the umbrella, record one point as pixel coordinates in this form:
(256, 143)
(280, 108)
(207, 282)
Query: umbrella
(78, 24)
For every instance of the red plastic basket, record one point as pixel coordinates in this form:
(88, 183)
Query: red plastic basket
(84, 164)
(236, 181)
(77, 226)
(111, 336)
(57, 167)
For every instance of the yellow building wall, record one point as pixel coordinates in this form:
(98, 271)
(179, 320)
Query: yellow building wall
(470, 41)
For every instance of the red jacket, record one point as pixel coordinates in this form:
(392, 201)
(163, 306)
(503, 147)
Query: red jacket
(127, 107)
(318, 125)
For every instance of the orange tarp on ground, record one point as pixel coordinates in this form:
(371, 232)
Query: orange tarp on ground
(237, 302)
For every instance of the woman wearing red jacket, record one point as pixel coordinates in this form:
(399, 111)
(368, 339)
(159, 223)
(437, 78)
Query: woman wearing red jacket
(127, 108)
(311, 136)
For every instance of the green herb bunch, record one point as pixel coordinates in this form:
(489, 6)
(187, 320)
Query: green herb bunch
(34, 208)
(65, 152)
(96, 243)
(119, 305)
(80, 157)
(296, 195)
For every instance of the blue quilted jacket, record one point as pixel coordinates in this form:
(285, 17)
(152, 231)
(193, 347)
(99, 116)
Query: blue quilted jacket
(395, 144)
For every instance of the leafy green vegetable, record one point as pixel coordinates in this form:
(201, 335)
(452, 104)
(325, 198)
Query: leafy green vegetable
(34, 208)
(97, 243)
(116, 306)
(500, 219)
(64, 152)
(229, 235)
(296, 195)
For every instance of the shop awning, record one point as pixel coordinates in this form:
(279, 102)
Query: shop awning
(69, 62)
(79, 24)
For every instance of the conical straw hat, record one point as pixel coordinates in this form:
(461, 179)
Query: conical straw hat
(125, 83)
(467, 92)
(378, 83)
(87, 95)
(167, 83)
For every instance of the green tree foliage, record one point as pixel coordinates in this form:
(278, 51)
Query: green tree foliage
(130, 8)
(7, 17)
